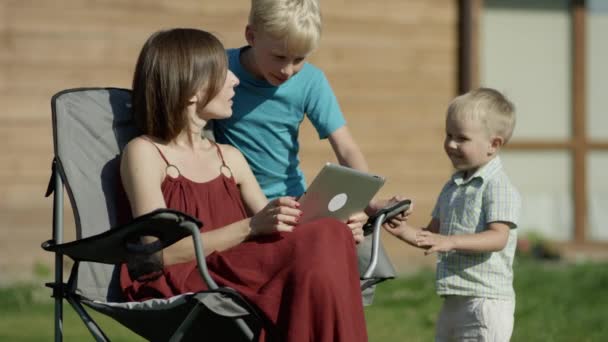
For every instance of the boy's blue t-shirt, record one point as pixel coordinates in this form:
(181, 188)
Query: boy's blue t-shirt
(266, 119)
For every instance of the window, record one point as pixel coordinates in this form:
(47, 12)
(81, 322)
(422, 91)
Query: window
(549, 57)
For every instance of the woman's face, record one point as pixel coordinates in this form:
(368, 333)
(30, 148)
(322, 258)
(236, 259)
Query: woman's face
(220, 107)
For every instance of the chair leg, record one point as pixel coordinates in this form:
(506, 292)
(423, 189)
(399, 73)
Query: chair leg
(181, 330)
(244, 328)
(88, 321)
(58, 237)
(58, 319)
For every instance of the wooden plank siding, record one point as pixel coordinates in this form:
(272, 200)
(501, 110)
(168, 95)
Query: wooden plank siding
(392, 64)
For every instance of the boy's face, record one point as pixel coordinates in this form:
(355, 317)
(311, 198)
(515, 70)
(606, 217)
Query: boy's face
(271, 60)
(468, 144)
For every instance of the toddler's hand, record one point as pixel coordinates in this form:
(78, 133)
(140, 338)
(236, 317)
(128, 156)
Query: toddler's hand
(434, 242)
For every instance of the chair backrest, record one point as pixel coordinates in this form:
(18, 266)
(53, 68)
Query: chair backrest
(90, 128)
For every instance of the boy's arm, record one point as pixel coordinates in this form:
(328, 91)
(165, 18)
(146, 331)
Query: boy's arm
(346, 149)
(492, 239)
(349, 154)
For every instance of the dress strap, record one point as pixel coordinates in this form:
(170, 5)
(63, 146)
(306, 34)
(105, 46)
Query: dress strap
(161, 154)
(219, 153)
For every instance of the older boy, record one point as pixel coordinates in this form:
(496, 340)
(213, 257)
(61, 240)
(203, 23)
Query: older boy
(473, 223)
(277, 88)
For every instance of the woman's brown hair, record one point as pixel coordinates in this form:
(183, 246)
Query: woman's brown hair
(173, 66)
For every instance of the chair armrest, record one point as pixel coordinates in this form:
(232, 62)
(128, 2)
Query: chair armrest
(385, 214)
(373, 227)
(112, 247)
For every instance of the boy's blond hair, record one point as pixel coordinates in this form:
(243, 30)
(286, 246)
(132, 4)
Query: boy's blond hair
(296, 22)
(489, 106)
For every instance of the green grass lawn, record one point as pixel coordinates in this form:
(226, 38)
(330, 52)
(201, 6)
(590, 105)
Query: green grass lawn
(555, 302)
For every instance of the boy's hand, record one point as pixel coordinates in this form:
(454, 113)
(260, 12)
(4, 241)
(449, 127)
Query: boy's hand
(394, 229)
(392, 225)
(434, 242)
(401, 218)
(355, 222)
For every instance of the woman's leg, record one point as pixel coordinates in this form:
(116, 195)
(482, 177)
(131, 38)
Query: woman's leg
(322, 297)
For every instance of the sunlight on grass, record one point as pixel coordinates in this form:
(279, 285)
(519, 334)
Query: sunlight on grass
(555, 302)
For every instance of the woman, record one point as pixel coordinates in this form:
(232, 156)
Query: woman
(303, 278)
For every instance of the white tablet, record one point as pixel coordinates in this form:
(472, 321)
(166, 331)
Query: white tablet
(338, 192)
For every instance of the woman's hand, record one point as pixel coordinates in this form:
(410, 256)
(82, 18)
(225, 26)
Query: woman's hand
(279, 215)
(355, 222)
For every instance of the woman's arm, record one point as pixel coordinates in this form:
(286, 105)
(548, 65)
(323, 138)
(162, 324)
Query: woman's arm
(253, 197)
(142, 171)
(280, 214)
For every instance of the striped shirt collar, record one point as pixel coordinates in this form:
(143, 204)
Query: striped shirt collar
(484, 173)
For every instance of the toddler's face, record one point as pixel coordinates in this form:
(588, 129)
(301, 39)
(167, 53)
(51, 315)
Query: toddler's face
(467, 144)
(273, 61)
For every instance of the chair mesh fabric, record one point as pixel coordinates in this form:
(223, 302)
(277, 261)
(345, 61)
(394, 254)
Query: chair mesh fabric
(158, 319)
(91, 126)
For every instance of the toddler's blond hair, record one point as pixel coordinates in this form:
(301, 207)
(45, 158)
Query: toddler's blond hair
(490, 107)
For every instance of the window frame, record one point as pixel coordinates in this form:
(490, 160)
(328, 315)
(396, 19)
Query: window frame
(579, 145)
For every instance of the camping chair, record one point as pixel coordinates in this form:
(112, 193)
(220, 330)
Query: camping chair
(90, 128)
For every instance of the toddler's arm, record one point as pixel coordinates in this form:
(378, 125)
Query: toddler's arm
(410, 234)
(493, 239)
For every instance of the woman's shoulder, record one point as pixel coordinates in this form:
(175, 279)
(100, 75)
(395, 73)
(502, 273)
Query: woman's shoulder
(229, 151)
(234, 159)
(143, 143)
(141, 148)
(231, 154)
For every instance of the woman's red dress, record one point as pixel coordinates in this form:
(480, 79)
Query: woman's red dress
(305, 282)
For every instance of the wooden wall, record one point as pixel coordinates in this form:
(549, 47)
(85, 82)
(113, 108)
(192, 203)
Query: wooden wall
(392, 64)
